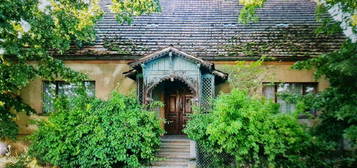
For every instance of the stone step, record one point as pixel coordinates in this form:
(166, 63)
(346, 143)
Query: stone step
(174, 150)
(175, 141)
(172, 162)
(168, 167)
(175, 147)
(172, 146)
(174, 155)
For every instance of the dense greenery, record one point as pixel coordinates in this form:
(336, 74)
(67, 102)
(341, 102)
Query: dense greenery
(35, 30)
(89, 132)
(250, 130)
(337, 122)
(335, 129)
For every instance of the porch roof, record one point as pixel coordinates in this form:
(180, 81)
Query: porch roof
(136, 65)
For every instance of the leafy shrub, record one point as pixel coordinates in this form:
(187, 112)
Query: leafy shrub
(8, 105)
(97, 133)
(8, 127)
(250, 130)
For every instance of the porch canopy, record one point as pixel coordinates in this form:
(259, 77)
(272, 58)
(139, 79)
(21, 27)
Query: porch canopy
(170, 64)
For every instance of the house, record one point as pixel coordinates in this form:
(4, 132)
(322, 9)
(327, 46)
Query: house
(174, 56)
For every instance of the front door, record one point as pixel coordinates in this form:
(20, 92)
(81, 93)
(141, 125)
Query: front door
(178, 107)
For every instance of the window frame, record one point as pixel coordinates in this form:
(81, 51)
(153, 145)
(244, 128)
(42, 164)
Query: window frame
(303, 91)
(57, 84)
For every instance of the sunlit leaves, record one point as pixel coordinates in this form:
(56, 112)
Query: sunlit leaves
(247, 76)
(354, 20)
(126, 9)
(96, 133)
(34, 30)
(249, 130)
(247, 13)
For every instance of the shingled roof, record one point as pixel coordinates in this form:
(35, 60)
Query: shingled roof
(209, 29)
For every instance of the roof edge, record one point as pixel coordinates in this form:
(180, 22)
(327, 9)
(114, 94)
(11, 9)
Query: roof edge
(163, 52)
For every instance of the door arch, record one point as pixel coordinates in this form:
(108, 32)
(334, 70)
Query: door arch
(164, 68)
(178, 100)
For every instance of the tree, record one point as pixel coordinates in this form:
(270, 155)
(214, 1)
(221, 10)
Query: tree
(337, 104)
(336, 126)
(35, 30)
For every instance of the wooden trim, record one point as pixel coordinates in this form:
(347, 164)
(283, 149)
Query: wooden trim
(129, 61)
(264, 63)
(97, 61)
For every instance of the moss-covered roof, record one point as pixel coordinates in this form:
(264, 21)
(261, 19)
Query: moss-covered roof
(209, 29)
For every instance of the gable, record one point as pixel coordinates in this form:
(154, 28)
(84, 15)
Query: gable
(173, 63)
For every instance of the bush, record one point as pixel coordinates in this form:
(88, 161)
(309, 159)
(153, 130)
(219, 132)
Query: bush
(96, 133)
(252, 131)
(8, 127)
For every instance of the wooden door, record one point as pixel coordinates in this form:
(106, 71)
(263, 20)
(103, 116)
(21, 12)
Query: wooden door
(178, 108)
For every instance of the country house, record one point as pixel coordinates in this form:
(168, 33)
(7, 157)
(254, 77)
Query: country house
(175, 56)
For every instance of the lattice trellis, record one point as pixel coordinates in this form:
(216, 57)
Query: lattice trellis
(140, 88)
(207, 91)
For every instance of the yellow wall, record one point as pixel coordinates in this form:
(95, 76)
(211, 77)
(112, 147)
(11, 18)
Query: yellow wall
(279, 72)
(108, 76)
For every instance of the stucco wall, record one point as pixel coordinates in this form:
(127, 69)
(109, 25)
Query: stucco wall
(108, 76)
(278, 72)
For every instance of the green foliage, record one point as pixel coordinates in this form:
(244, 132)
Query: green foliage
(328, 25)
(250, 130)
(8, 127)
(337, 104)
(9, 103)
(35, 30)
(247, 13)
(247, 76)
(96, 133)
(29, 32)
(126, 9)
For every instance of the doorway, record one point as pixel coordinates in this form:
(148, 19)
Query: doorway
(177, 99)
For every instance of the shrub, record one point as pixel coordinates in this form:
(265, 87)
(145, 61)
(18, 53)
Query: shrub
(251, 131)
(97, 133)
(8, 127)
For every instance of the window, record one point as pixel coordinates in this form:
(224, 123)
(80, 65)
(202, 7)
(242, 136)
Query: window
(272, 90)
(60, 88)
